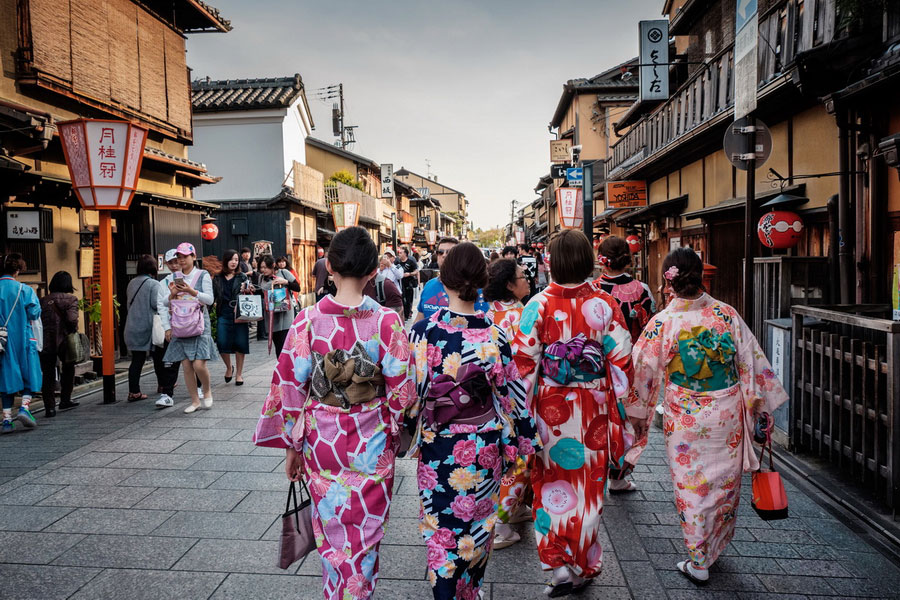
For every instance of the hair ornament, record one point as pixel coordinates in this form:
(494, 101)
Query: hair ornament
(604, 260)
(671, 273)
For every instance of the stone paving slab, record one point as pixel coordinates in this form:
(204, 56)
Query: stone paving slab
(127, 501)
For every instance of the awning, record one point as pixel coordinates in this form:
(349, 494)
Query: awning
(173, 201)
(735, 203)
(657, 210)
(325, 232)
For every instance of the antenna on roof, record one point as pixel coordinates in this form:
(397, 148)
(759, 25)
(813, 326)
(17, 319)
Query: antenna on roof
(428, 165)
(345, 132)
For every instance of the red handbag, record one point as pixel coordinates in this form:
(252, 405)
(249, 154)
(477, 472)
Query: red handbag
(769, 497)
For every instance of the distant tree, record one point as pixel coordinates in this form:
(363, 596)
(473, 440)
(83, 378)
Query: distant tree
(488, 238)
(344, 176)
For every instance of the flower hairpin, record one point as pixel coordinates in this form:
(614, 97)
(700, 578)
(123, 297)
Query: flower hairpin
(671, 273)
(604, 260)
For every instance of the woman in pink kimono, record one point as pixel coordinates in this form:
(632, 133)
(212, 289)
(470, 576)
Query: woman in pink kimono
(339, 390)
(717, 383)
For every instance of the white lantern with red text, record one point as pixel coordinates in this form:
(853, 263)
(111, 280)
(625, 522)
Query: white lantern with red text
(569, 207)
(405, 232)
(520, 237)
(345, 214)
(431, 236)
(104, 159)
(634, 243)
(780, 229)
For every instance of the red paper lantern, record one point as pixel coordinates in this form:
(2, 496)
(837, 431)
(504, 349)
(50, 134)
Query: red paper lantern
(634, 243)
(780, 229)
(209, 231)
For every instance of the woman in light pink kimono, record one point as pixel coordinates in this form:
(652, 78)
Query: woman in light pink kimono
(340, 436)
(717, 383)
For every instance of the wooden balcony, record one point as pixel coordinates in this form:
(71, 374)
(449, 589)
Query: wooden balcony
(706, 99)
(308, 186)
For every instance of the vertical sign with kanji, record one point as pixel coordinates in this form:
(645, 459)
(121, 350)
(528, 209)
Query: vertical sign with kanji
(654, 57)
(746, 25)
(387, 180)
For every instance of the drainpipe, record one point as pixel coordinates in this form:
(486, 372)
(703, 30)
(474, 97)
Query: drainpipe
(844, 239)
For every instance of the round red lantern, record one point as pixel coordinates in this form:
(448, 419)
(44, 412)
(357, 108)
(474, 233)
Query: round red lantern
(209, 231)
(540, 245)
(634, 243)
(780, 229)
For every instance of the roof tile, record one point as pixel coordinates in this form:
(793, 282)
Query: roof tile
(245, 94)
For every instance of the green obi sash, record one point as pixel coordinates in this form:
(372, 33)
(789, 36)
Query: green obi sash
(705, 361)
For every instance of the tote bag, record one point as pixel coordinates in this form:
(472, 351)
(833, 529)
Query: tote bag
(297, 538)
(769, 496)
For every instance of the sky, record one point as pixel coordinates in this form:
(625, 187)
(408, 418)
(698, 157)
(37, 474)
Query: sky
(469, 86)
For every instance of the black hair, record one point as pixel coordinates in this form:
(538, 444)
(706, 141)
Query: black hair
(266, 259)
(447, 240)
(465, 271)
(509, 250)
(689, 279)
(616, 252)
(352, 253)
(500, 274)
(245, 249)
(146, 265)
(287, 262)
(13, 263)
(226, 258)
(61, 283)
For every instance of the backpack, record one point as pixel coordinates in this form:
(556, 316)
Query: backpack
(186, 314)
(379, 288)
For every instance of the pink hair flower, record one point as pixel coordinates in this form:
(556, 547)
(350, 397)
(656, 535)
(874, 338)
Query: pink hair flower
(671, 273)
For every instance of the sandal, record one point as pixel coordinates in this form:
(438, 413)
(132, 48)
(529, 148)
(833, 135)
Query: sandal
(566, 588)
(684, 570)
(137, 396)
(631, 487)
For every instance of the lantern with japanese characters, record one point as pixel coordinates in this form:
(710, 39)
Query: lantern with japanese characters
(104, 160)
(405, 232)
(345, 214)
(209, 232)
(520, 237)
(431, 236)
(780, 229)
(634, 243)
(569, 207)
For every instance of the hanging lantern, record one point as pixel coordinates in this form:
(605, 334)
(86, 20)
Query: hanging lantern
(596, 243)
(405, 232)
(634, 243)
(570, 207)
(431, 236)
(520, 237)
(540, 245)
(780, 229)
(209, 232)
(344, 214)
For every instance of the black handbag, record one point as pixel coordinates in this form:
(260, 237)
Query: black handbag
(297, 538)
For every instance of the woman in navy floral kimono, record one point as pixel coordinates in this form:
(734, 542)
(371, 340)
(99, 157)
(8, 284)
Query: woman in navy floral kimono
(471, 424)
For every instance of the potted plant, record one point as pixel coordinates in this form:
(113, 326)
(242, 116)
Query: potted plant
(92, 310)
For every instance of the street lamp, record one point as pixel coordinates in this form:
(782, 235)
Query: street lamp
(104, 159)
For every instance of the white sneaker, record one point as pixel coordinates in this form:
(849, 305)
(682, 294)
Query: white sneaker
(165, 401)
(206, 401)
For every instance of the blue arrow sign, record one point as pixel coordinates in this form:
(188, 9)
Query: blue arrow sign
(744, 9)
(575, 174)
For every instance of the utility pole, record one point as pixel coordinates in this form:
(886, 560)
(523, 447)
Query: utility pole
(512, 219)
(587, 184)
(338, 129)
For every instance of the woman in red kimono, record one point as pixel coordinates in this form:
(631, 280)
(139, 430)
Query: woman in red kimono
(575, 353)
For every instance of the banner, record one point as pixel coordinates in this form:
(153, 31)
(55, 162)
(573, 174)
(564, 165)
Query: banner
(570, 207)
(654, 56)
(345, 214)
(626, 194)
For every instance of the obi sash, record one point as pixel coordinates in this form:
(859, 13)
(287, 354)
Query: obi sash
(344, 378)
(466, 399)
(578, 360)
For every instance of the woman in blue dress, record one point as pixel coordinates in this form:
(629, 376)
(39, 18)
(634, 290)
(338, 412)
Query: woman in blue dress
(471, 425)
(20, 364)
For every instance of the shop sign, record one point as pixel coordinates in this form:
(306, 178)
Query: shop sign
(654, 46)
(570, 207)
(23, 225)
(559, 150)
(626, 194)
(387, 180)
(262, 248)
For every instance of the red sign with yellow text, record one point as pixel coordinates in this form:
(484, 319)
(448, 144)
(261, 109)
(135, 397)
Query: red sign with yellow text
(626, 194)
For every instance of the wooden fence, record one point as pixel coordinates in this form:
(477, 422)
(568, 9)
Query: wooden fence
(845, 375)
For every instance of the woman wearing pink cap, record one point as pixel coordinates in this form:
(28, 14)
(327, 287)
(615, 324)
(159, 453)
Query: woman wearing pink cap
(187, 325)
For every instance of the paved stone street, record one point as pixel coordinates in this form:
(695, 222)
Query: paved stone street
(126, 501)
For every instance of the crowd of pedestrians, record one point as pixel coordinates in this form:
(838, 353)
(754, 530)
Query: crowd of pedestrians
(524, 388)
(515, 408)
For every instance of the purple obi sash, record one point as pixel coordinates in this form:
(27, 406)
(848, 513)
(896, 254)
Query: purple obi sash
(466, 399)
(576, 360)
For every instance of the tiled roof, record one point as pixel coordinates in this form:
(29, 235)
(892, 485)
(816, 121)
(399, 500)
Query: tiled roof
(171, 158)
(245, 94)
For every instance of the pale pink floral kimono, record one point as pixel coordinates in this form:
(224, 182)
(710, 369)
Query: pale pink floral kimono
(717, 381)
(348, 453)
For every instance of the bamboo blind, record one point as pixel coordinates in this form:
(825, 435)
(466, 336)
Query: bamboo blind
(125, 78)
(113, 51)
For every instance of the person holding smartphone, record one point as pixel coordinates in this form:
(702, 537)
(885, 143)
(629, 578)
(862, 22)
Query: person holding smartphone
(279, 320)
